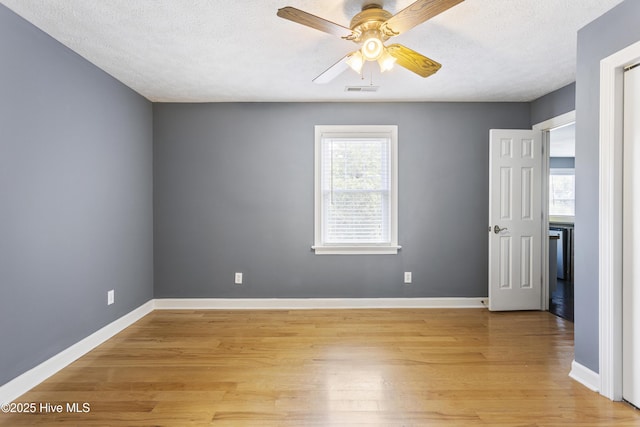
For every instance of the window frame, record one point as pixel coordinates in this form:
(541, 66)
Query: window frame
(389, 132)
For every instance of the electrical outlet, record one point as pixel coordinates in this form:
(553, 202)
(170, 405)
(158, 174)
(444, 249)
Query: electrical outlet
(238, 279)
(407, 277)
(110, 297)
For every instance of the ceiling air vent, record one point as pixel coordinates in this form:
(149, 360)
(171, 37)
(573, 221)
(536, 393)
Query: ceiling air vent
(361, 88)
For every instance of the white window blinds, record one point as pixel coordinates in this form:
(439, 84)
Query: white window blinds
(355, 188)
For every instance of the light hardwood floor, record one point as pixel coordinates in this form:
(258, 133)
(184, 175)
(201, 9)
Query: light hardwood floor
(405, 367)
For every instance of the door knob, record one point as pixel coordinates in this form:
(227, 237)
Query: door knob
(497, 229)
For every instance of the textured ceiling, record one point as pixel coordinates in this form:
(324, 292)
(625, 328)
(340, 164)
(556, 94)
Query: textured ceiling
(219, 51)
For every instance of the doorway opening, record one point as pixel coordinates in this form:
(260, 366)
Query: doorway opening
(561, 214)
(561, 204)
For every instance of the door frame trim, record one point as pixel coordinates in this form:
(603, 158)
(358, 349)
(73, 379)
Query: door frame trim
(610, 219)
(544, 127)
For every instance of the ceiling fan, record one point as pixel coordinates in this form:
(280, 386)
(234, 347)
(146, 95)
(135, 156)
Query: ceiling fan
(371, 28)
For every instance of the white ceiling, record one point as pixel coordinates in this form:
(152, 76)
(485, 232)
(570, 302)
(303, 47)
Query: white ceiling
(219, 51)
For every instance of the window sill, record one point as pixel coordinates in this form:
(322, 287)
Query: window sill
(356, 250)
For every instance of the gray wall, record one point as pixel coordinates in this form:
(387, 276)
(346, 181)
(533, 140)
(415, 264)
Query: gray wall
(610, 33)
(233, 191)
(75, 197)
(553, 104)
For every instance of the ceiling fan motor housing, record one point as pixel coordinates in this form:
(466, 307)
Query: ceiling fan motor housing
(369, 21)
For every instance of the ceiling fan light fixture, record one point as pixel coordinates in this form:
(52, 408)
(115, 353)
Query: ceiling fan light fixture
(372, 47)
(356, 61)
(386, 61)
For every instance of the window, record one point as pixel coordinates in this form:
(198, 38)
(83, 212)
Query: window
(356, 201)
(562, 197)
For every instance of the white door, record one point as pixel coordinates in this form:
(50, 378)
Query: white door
(631, 240)
(515, 218)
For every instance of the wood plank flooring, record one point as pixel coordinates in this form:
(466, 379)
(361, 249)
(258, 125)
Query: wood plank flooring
(404, 367)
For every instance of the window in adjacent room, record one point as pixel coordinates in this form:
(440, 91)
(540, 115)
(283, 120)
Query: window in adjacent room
(356, 200)
(562, 199)
(562, 174)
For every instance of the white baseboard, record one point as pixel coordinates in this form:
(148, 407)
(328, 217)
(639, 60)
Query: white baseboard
(25, 382)
(585, 376)
(312, 303)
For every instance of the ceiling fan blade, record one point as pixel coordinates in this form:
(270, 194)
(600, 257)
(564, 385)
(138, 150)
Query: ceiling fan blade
(304, 18)
(334, 71)
(413, 61)
(414, 14)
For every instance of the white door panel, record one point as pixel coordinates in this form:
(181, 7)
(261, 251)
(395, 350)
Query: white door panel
(631, 240)
(515, 215)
